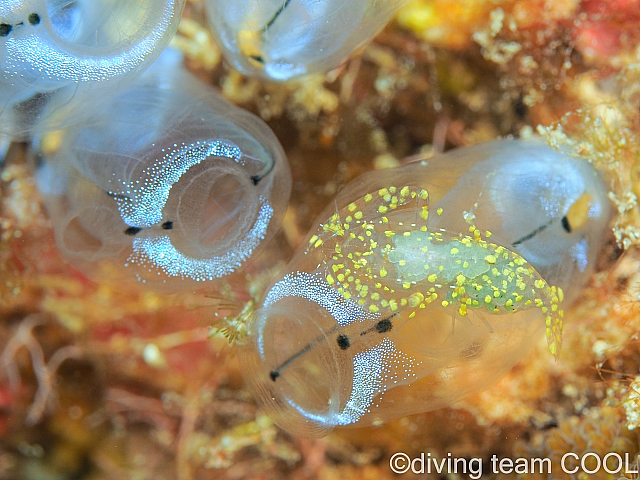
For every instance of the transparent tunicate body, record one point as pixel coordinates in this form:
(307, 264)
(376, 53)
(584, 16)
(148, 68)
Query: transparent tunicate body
(167, 184)
(59, 56)
(425, 283)
(284, 39)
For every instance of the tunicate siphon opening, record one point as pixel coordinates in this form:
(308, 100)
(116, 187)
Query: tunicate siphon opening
(211, 206)
(294, 369)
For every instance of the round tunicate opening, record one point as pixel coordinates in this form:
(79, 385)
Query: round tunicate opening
(213, 207)
(298, 371)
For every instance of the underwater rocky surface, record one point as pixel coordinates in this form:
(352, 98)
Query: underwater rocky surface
(96, 383)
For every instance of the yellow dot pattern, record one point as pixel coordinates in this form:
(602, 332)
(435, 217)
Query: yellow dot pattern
(379, 253)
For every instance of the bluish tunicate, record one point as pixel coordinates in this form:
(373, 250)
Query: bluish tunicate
(285, 39)
(167, 184)
(57, 57)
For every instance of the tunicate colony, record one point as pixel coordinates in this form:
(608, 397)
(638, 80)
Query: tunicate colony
(417, 286)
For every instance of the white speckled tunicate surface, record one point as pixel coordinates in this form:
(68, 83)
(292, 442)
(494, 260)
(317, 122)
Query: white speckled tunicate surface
(57, 57)
(167, 184)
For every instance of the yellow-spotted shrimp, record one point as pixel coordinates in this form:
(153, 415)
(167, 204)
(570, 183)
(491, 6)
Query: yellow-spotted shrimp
(285, 39)
(58, 56)
(425, 283)
(166, 184)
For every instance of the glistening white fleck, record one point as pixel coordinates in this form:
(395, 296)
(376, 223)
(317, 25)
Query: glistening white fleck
(372, 369)
(144, 208)
(315, 288)
(52, 63)
(158, 252)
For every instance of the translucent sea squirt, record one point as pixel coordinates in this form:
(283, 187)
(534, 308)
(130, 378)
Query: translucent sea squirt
(284, 39)
(167, 184)
(58, 56)
(425, 283)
